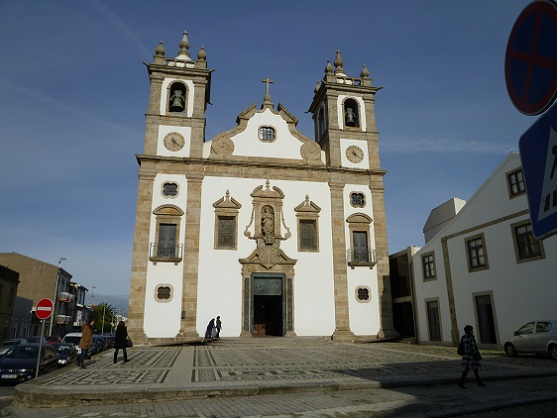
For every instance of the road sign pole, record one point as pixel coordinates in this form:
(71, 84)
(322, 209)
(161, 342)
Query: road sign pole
(39, 353)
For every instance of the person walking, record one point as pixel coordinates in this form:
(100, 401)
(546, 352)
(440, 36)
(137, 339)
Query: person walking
(120, 341)
(471, 358)
(209, 330)
(85, 342)
(219, 326)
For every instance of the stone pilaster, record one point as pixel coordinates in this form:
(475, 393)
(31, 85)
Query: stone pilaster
(191, 257)
(383, 272)
(136, 309)
(342, 310)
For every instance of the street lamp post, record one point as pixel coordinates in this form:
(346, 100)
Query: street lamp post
(55, 299)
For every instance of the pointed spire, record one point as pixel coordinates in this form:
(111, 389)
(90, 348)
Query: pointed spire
(338, 64)
(184, 53)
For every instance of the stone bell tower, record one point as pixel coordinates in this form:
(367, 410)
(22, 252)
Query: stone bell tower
(343, 110)
(174, 137)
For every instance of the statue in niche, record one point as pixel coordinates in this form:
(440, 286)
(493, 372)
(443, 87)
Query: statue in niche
(268, 224)
(177, 101)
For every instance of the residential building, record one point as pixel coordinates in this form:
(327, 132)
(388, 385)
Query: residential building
(40, 280)
(484, 267)
(9, 281)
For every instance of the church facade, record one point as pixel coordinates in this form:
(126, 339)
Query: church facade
(276, 233)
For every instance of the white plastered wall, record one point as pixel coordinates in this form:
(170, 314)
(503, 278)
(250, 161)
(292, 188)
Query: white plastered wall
(220, 279)
(162, 318)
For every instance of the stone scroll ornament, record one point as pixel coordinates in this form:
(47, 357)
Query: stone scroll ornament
(222, 146)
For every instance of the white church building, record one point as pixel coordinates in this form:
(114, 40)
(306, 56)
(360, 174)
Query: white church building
(482, 266)
(277, 233)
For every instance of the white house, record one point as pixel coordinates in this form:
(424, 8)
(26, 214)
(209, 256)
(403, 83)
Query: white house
(276, 233)
(484, 267)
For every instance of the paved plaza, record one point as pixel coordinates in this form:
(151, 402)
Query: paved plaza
(288, 375)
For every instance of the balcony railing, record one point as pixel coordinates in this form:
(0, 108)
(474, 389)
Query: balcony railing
(361, 258)
(65, 297)
(63, 319)
(163, 252)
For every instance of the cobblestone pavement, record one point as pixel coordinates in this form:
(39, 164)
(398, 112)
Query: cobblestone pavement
(386, 379)
(507, 397)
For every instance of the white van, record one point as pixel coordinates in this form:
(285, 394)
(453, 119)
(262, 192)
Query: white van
(73, 338)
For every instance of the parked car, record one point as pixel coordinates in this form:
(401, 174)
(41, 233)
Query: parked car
(6, 344)
(20, 362)
(36, 340)
(67, 353)
(537, 337)
(73, 338)
(53, 339)
(99, 344)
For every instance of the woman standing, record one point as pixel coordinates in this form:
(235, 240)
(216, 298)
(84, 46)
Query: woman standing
(471, 357)
(85, 342)
(120, 341)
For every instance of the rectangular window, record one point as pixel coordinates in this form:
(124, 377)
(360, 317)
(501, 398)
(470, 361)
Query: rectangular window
(477, 257)
(428, 265)
(361, 251)
(516, 183)
(226, 232)
(527, 246)
(308, 235)
(166, 247)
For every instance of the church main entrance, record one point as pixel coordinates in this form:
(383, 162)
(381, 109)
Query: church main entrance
(268, 305)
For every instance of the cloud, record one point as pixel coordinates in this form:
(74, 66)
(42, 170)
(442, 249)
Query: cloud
(443, 146)
(120, 26)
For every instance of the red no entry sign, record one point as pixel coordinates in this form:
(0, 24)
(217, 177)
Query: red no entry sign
(531, 58)
(44, 309)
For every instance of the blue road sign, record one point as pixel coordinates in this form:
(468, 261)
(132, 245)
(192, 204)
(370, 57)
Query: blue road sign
(538, 152)
(531, 58)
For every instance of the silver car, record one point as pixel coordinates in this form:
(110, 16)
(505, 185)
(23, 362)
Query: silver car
(537, 337)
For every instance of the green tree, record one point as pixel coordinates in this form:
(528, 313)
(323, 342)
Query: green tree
(103, 314)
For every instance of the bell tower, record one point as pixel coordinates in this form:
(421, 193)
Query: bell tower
(174, 137)
(180, 91)
(343, 110)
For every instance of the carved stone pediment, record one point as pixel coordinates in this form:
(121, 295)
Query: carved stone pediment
(268, 256)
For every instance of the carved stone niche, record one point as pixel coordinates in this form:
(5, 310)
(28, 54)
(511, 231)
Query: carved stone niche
(267, 228)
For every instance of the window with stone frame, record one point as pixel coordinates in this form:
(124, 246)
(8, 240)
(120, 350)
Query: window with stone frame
(477, 253)
(358, 199)
(267, 134)
(363, 294)
(170, 189)
(307, 213)
(164, 293)
(515, 183)
(428, 266)
(167, 245)
(527, 247)
(226, 222)
(360, 252)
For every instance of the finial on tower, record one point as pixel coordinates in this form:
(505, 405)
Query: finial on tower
(338, 64)
(184, 53)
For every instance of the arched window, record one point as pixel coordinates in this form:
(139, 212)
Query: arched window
(177, 97)
(320, 122)
(351, 113)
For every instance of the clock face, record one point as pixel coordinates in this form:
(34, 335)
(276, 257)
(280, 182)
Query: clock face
(174, 141)
(354, 153)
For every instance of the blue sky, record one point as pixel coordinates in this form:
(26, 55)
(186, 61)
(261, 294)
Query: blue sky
(74, 92)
